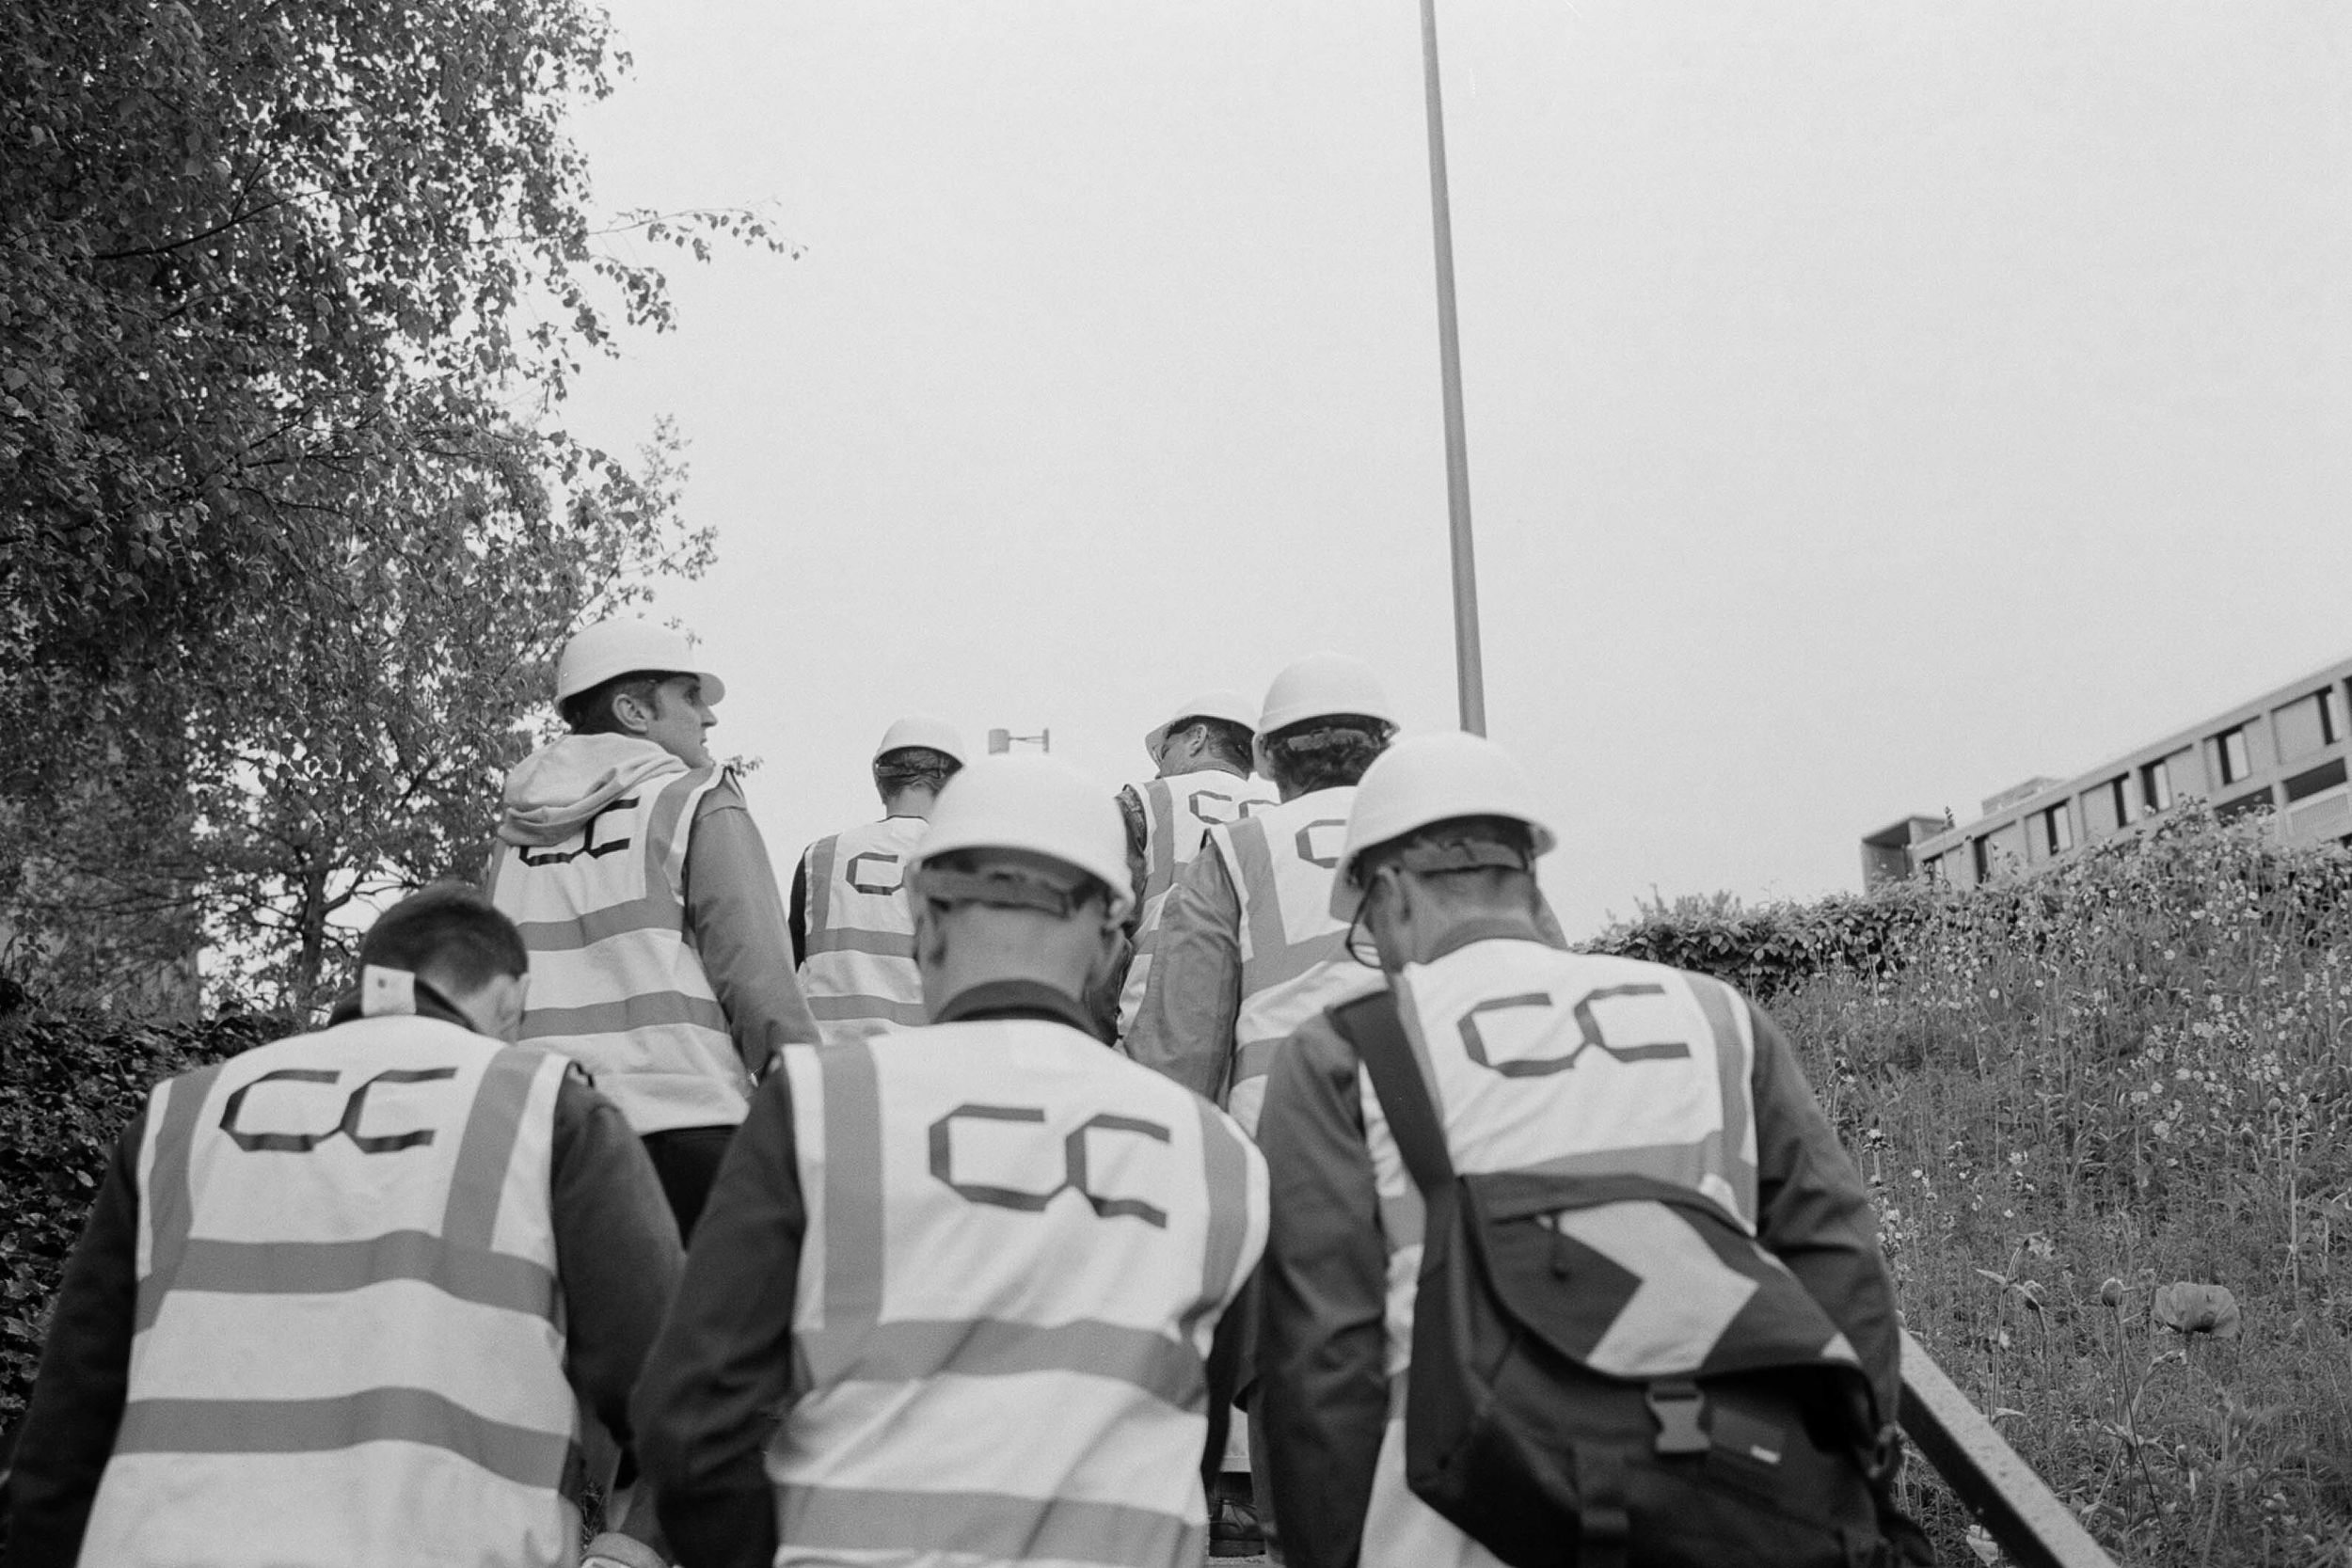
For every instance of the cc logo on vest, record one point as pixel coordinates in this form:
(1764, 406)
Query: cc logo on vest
(347, 1125)
(1075, 1176)
(588, 845)
(1218, 815)
(1589, 1034)
(856, 877)
(1309, 841)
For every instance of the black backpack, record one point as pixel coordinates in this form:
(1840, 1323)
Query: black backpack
(1549, 1463)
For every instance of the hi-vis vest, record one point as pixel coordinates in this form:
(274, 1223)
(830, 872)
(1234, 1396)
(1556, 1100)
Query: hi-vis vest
(858, 971)
(1178, 812)
(613, 981)
(1583, 1066)
(1294, 959)
(348, 1345)
(1018, 1246)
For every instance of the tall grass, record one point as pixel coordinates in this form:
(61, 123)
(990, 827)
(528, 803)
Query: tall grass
(2139, 1074)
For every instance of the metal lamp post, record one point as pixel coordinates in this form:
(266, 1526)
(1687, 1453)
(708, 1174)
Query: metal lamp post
(1469, 671)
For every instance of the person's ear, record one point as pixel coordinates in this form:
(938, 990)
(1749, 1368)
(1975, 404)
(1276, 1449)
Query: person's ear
(497, 1007)
(636, 714)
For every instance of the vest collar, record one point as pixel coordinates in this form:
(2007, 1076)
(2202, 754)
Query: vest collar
(1487, 927)
(430, 1004)
(1016, 999)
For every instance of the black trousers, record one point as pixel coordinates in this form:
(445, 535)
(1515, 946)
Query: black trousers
(686, 1161)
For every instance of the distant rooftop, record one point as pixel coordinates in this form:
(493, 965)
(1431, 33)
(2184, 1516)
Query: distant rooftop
(2283, 752)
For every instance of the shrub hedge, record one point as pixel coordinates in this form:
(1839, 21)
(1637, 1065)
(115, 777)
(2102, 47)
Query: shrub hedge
(69, 1084)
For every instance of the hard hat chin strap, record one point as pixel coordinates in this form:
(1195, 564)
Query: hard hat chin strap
(1000, 888)
(1461, 855)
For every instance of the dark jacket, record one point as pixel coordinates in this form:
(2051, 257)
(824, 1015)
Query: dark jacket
(1321, 1378)
(617, 1263)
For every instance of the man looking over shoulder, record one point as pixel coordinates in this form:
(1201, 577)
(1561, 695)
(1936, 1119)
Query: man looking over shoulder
(1202, 753)
(1733, 1363)
(659, 953)
(953, 1297)
(342, 1297)
(850, 926)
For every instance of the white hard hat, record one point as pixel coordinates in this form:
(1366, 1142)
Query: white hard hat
(1322, 686)
(1432, 778)
(1037, 804)
(1232, 707)
(624, 647)
(915, 729)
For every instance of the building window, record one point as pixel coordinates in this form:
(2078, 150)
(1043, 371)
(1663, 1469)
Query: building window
(2155, 785)
(1932, 868)
(2230, 745)
(2308, 723)
(2057, 830)
(1983, 859)
(2245, 806)
(2326, 776)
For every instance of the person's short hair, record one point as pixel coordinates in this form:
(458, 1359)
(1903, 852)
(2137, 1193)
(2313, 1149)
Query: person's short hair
(1327, 753)
(1227, 742)
(590, 712)
(898, 771)
(452, 929)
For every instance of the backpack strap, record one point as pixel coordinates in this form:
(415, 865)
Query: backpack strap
(1371, 1024)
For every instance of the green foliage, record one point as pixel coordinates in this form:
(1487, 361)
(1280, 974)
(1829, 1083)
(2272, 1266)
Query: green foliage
(68, 1087)
(2089, 1104)
(285, 293)
(1767, 950)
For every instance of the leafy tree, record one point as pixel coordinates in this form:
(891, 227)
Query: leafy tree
(286, 293)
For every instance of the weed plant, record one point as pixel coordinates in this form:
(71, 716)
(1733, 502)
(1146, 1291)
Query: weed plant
(2132, 1071)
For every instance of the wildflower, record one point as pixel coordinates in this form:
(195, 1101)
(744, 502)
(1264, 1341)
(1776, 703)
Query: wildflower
(2191, 1308)
(2111, 1292)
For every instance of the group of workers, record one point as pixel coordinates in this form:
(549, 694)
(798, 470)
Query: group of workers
(942, 1212)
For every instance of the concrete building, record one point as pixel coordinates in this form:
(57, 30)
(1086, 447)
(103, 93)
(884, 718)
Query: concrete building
(2284, 752)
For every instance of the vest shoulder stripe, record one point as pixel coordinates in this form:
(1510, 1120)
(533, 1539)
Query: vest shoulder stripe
(1159, 831)
(1735, 1053)
(650, 1010)
(477, 1177)
(853, 1185)
(673, 824)
(908, 1350)
(1228, 1172)
(994, 1526)
(887, 944)
(1261, 908)
(481, 1276)
(837, 1009)
(821, 858)
(168, 1204)
(520, 1454)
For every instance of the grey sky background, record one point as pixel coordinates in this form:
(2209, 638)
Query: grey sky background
(1871, 406)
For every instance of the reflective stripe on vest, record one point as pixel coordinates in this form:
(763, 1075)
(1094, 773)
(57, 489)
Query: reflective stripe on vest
(1010, 1230)
(1576, 1065)
(858, 967)
(347, 1305)
(614, 982)
(1293, 962)
(1178, 812)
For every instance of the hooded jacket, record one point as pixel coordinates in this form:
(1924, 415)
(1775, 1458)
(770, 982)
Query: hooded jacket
(732, 915)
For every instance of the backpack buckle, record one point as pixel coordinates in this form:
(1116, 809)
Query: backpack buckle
(1678, 1407)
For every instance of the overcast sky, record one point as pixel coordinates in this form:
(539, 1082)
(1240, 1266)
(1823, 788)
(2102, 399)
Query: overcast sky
(1871, 406)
